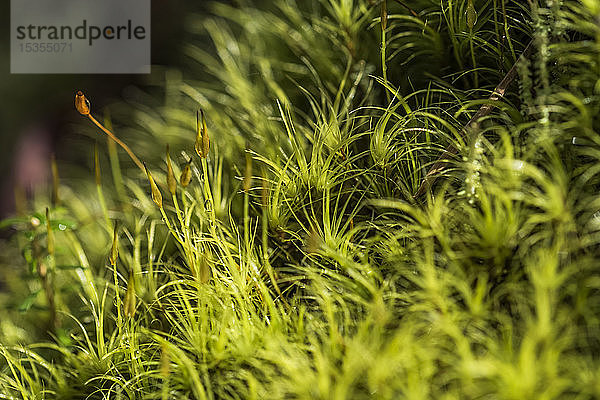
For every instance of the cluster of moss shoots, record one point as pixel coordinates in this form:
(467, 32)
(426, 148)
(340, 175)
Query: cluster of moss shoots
(392, 248)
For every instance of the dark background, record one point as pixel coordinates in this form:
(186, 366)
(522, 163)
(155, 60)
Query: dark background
(37, 117)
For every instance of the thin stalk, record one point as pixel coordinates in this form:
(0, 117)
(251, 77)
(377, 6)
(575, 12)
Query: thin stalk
(211, 211)
(247, 227)
(169, 226)
(384, 46)
(265, 235)
(496, 30)
(115, 167)
(186, 235)
(510, 45)
(178, 212)
(48, 275)
(208, 194)
(471, 16)
(118, 141)
(473, 61)
(452, 25)
(117, 297)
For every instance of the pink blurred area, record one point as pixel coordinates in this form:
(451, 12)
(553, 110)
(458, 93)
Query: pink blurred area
(30, 167)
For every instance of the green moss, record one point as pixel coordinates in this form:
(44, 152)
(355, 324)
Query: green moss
(326, 273)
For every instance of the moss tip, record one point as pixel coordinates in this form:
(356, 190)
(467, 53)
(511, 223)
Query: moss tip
(82, 104)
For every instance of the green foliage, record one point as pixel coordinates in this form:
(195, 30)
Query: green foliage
(301, 262)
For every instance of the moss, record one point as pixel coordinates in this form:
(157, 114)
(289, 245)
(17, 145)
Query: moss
(304, 254)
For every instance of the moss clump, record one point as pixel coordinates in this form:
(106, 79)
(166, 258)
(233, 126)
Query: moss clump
(304, 254)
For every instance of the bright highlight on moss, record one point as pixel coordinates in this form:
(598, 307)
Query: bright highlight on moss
(156, 195)
(471, 15)
(186, 174)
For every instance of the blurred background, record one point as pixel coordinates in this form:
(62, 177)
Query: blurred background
(37, 117)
